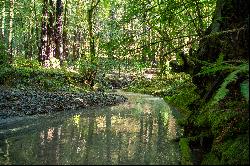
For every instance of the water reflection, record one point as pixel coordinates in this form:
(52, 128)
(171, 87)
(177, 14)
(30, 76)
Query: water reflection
(136, 132)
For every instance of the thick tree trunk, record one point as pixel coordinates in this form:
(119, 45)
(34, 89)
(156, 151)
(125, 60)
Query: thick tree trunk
(3, 55)
(227, 35)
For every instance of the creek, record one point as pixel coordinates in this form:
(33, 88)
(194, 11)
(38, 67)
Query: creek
(139, 131)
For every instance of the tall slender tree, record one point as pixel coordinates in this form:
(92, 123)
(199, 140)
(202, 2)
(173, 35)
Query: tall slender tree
(10, 48)
(44, 34)
(59, 31)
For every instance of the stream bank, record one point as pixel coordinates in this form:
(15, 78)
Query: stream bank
(16, 102)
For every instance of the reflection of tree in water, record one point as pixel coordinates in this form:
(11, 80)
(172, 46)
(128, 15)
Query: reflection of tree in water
(49, 146)
(137, 135)
(171, 133)
(161, 144)
(144, 145)
(108, 136)
(89, 141)
(166, 150)
(4, 152)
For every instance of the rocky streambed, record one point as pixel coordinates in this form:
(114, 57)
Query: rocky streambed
(15, 102)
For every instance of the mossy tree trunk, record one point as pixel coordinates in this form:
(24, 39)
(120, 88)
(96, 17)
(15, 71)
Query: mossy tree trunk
(228, 35)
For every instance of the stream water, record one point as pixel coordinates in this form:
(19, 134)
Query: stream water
(140, 131)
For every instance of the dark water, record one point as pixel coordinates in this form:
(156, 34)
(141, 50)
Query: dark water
(140, 131)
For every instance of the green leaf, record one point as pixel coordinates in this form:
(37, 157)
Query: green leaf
(223, 91)
(244, 89)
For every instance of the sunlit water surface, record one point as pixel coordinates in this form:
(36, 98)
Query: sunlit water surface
(140, 131)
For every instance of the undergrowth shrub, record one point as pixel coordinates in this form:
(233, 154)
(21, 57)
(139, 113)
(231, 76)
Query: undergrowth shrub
(28, 73)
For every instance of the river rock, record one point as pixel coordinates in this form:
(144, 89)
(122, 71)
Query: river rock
(14, 102)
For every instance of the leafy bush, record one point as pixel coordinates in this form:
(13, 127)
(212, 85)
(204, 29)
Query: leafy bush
(234, 151)
(185, 152)
(24, 62)
(25, 73)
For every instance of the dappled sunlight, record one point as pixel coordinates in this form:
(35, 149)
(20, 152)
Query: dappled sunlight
(118, 134)
(50, 134)
(127, 125)
(172, 128)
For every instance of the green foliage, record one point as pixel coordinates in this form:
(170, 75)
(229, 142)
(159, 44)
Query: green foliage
(84, 66)
(244, 88)
(183, 97)
(3, 54)
(233, 151)
(185, 152)
(24, 62)
(214, 68)
(29, 75)
(222, 66)
(211, 159)
(223, 91)
(176, 89)
(5, 72)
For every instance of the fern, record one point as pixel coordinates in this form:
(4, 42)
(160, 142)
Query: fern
(219, 65)
(215, 68)
(244, 88)
(223, 91)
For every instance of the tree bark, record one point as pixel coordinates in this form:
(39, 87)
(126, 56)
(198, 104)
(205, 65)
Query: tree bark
(36, 24)
(59, 41)
(3, 20)
(226, 35)
(92, 71)
(10, 49)
(51, 47)
(65, 32)
(44, 34)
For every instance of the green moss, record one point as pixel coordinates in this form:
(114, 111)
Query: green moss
(211, 159)
(232, 151)
(235, 151)
(185, 152)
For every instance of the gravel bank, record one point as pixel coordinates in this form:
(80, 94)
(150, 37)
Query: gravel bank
(14, 102)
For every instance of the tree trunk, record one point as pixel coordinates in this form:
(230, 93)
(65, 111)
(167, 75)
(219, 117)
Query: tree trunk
(51, 47)
(227, 35)
(59, 41)
(65, 32)
(44, 35)
(36, 24)
(10, 49)
(3, 20)
(92, 71)
(91, 36)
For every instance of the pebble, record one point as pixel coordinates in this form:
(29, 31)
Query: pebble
(15, 102)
